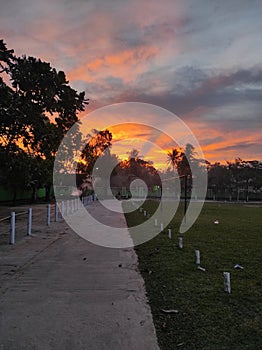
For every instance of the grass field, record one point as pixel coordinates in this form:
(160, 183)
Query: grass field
(208, 318)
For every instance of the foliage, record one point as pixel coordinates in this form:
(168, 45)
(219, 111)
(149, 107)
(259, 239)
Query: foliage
(37, 108)
(135, 168)
(96, 144)
(235, 177)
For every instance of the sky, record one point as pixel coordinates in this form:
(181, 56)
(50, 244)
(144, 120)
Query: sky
(198, 59)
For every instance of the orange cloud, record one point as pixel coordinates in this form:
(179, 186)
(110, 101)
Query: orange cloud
(126, 65)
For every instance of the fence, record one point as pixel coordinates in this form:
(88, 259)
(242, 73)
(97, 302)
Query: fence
(20, 224)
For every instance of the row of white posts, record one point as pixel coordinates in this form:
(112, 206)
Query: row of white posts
(227, 282)
(62, 209)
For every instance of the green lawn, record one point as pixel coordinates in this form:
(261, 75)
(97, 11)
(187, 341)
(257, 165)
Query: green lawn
(208, 318)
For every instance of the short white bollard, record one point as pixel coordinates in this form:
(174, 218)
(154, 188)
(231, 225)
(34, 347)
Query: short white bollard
(227, 283)
(62, 209)
(161, 227)
(48, 214)
(12, 232)
(155, 222)
(198, 257)
(29, 222)
(169, 233)
(144, 212)
(180, 242)
(56, 212)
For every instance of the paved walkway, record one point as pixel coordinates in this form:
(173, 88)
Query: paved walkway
(61, 292)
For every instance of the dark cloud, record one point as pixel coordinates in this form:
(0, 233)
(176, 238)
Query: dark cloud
(211, 141)
(190, 88)
(240, 146)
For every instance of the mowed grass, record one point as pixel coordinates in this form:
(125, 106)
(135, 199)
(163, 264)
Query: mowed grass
(208, 318)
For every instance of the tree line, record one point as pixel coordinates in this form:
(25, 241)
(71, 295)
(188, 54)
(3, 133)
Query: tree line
(236, 179)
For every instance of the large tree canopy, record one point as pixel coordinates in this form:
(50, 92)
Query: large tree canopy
(37, 108)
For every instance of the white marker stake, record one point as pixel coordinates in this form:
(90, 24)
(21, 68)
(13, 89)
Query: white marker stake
(155, 222)
(56, 212)
(169, 233)
(48, 214)
(62, 209)
(227, 283)
(144, 212)
(161, 227)
(197, 257)
(29, 222)
(12, 232)
(180, 242)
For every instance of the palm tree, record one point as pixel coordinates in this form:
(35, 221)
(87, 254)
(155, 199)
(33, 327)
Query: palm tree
(174, 157)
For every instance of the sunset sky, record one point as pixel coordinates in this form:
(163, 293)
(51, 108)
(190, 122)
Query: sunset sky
(201, 60)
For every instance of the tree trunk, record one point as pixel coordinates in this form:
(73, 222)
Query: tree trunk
(15, 196)
(47, 192)
(33, 198)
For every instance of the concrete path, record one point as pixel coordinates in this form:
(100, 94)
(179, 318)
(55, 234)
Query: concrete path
(60, 292)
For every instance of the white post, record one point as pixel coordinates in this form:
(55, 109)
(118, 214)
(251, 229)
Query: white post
(48, 214)
(169, 233)
(161, 227)
(227, 283)
(62, 209)
(155, 222)
(180, 242)
(12, 232)
(198, 257)
(144, 212)
(66, 208)
(56, 212)
(29, 222)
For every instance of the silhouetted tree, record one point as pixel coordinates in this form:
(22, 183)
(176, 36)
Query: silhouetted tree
(37, 108)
